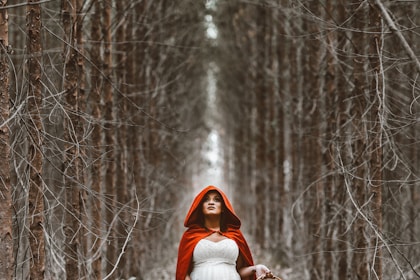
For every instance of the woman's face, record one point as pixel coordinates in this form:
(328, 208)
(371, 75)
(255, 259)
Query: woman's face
(212, 203)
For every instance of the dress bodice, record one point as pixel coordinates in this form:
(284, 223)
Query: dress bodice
(215, 260)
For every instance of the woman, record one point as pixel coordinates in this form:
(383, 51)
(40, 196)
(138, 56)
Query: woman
(213, 246)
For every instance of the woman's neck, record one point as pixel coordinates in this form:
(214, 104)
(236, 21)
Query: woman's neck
(212, 224)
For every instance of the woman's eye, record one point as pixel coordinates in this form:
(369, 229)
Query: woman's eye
(215, 199)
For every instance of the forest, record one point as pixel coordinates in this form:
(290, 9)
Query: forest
(115, 113)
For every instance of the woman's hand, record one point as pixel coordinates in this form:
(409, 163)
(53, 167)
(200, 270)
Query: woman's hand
(261, 269)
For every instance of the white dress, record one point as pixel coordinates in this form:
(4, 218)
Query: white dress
(215, 260)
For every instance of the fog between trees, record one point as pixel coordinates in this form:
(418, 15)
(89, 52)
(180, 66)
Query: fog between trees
(105, 107)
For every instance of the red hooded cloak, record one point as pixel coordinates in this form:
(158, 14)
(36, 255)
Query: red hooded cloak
(196, 232)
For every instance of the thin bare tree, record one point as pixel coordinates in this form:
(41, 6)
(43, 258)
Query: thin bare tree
(36, 221)
(6, 232)
(121, 112)
(95, 143)
(73, 153)
(109, 135)
(378, 119)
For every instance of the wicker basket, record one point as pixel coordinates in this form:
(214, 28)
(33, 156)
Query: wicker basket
(268, 276)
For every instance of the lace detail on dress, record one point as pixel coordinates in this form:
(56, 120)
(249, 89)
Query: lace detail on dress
(215, 260)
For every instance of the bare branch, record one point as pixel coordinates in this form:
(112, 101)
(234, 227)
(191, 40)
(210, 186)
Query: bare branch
(127, 239)
(24, 4)
(400, 36)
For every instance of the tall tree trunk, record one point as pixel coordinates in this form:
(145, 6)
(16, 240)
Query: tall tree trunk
(153, 103)
(95, 198)
(414, 229)
(135, 141)
(329, 126)
(270, 172)
(341, 113)
(18, 144)
(6, 234)
(73, 152)
(286, 51)
(296, 120)
(312, 139)
(131, 135)
(80, 132)
(35, 133)
(121, 134)
(335, 90)
(53, 141)
(260, 119)
(360, 261)
(279, 141)
(109, 138)
(378, 119)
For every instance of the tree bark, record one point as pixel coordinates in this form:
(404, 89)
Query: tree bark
(73, 145)
(52, 34)
(280, 126)
(378, 120)
(328, 127)
(109, 138)
(7, 260)
(360, 255)
(288, 129)
(260, 120)
(311, 114)
(135, 141)
(95, 199)
(121, 102)
(339, 150)
(35, 133)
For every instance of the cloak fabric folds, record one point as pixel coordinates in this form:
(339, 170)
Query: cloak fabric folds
(196, 232)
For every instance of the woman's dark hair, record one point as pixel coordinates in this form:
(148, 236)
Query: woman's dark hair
(223, 225)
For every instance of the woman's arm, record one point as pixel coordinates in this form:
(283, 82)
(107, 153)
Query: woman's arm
(246, 271)
(187, 277)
